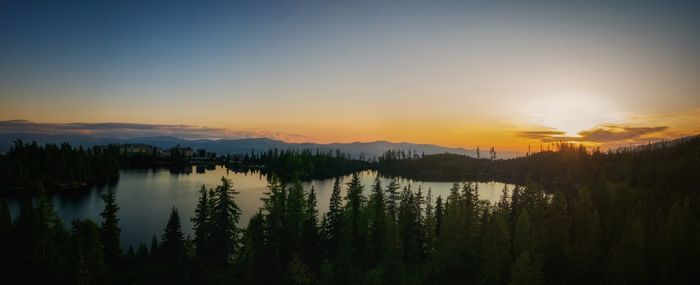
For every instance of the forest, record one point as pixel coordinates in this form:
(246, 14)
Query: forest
(628, 217)
(31, 168)
(304, 164)
(566, 167)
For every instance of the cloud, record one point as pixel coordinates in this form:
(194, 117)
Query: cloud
(609, 134)
(132, 130)
(539, 134)
(617, 133)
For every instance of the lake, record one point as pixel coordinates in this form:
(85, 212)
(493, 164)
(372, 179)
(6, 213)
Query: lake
(145, 197)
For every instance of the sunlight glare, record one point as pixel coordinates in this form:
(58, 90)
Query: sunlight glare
(572, 114)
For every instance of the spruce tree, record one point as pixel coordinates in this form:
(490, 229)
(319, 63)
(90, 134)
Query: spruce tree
(225, 217)
(439, 215)
(392, 199)
(87, 252)
(587, 247)
(557, 252)
(495, 251)
(109, 229)
(173, 240)
(378, 222)
(355, 223)
(310, 235)
(202, 224)
(334, 219)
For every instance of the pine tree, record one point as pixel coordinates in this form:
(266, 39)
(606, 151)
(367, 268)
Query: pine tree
(355, 220)
(202, 224)
(334, 219)
(378, 223)
(429, 223)
(295, 216)
(252, 260)
(524, 240)
(495, 251)
(173, 244)
(310, 236)
(627, 258)
(409, 228)
(109, 229)
(51, 239)
(392, 199)
(439, 215)
(586, 238)
(155, 248)
(88, 253)
(225, 217)
(557, 249)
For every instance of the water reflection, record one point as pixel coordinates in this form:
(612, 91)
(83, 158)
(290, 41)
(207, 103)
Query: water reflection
(145, 197)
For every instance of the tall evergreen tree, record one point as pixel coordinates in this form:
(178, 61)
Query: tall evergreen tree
(587, 247)
(88, 253)
(202, 224)
(627, 258)
(173, 240)
(557, 251)
(355, 220)
(429, 223)
(393, 196)
(109, 229)
(225, 215)
(409, 228)
(310, 236)
(334, 219)
(439, 215)
(295, 216)
(378, 222)
(495, 251)
(524, 239)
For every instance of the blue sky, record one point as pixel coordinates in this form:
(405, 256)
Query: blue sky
(444, 72)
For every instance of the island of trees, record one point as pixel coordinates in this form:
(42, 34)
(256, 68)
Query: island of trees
(303, 164)
(30, 168)
(631, 219)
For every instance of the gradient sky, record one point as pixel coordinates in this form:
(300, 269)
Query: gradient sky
(442, 72)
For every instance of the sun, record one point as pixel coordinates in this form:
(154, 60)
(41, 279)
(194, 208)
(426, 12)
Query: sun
(572, 114)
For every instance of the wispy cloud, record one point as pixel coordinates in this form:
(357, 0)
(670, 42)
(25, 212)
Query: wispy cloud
(540, 134)
(131, 130)
(618, 133)
(609, 134)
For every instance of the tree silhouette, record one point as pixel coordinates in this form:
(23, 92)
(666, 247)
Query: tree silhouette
(109, 229)
(173, 240)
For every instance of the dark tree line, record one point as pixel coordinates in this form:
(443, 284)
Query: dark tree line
(30, 168)
(607, 230)
(292, 164)
(666, 165)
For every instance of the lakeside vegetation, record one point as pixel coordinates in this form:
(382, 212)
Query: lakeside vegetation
(633, 221)
(30, 168)
(303, 164)
(567, 167)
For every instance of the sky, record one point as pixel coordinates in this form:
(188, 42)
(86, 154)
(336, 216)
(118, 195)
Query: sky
(506, 74)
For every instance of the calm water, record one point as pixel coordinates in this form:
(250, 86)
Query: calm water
(145, 198)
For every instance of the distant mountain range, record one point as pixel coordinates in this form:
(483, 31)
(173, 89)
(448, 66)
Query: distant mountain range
(224, 146)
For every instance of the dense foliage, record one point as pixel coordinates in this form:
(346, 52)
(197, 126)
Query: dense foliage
(304, 164)
(612, 228)
(666, 164)
(30, 168)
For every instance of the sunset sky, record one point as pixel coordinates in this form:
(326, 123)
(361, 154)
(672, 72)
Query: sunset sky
(441, 72)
